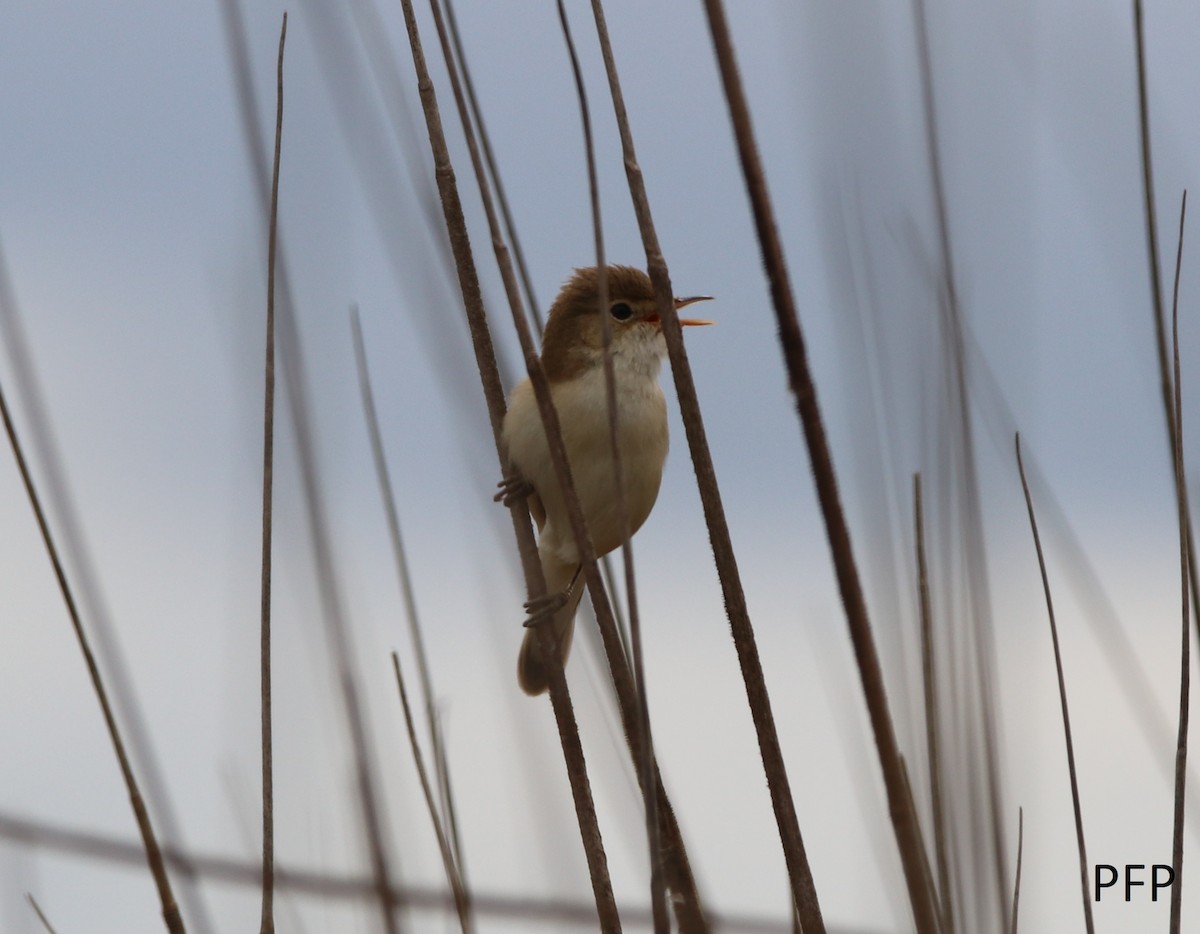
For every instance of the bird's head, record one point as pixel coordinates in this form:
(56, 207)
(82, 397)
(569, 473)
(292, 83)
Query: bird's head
(574, 337)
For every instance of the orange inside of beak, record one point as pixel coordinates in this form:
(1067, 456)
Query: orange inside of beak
(683, 303)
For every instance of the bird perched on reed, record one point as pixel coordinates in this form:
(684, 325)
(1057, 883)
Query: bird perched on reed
(573, 361)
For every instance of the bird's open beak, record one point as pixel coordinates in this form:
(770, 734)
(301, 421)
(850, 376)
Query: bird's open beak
(684, 302)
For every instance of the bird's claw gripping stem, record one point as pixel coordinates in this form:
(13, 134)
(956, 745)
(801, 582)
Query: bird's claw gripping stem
(543, 608)
(513, 488)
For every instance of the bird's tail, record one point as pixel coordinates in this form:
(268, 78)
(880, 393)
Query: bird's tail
(531, 666)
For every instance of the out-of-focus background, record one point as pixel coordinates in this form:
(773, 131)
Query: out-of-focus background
(134, 247)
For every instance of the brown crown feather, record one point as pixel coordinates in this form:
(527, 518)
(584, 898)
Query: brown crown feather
(562, 355)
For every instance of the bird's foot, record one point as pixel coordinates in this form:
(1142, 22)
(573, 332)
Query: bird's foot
(543, 608)
(513, 488)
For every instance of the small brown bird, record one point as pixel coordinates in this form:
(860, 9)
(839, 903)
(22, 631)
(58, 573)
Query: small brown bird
(573, 359)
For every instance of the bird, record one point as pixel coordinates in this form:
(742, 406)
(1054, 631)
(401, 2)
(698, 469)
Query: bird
(572, 359)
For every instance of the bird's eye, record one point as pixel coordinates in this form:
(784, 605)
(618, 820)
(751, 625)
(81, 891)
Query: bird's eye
(621, 311)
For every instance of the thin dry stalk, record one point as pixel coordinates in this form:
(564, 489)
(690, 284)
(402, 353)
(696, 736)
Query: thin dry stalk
(1152, 257)
(679, 876)
(1181, 745)
(267, 925)
(912, 803)
(803, 890)
(461, 904)
(337, 629)
(1108, 628)
(1151, 216)
(976, 562)
(658, 894)
(333, 615)
(441, 767)
(557, 914)
(680, 879)
(119, 686)
(329, 592)
(485, 358)
(904, 819)
(402, 572)
(1016, 900)
(514, 242)
(932, 729)
(170, 910)
(41, 915)
(1062, 696)
(510, 228)
(392, 515)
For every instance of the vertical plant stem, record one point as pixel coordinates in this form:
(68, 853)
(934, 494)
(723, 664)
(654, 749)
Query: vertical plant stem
(926, 871)
(485, 358)
(154, 790)
(514, 241)
(461, 905)
(393, 519)
(1152, 259)
(1110, 632)
(267, 924)
(338, 632)
(442, 771)
(1151, 216)
(932, 712)
(493, 170)
(803, 890)
(37, 909)
(1062, 696)
(658, 895)
(402, 571)
(154, 857)
(904, 819)
(982, 641)
(1016, 900)
(1181, 745)
(327, 585)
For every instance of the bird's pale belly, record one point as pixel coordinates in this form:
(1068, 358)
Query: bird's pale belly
(642, 427)
(642, 459)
